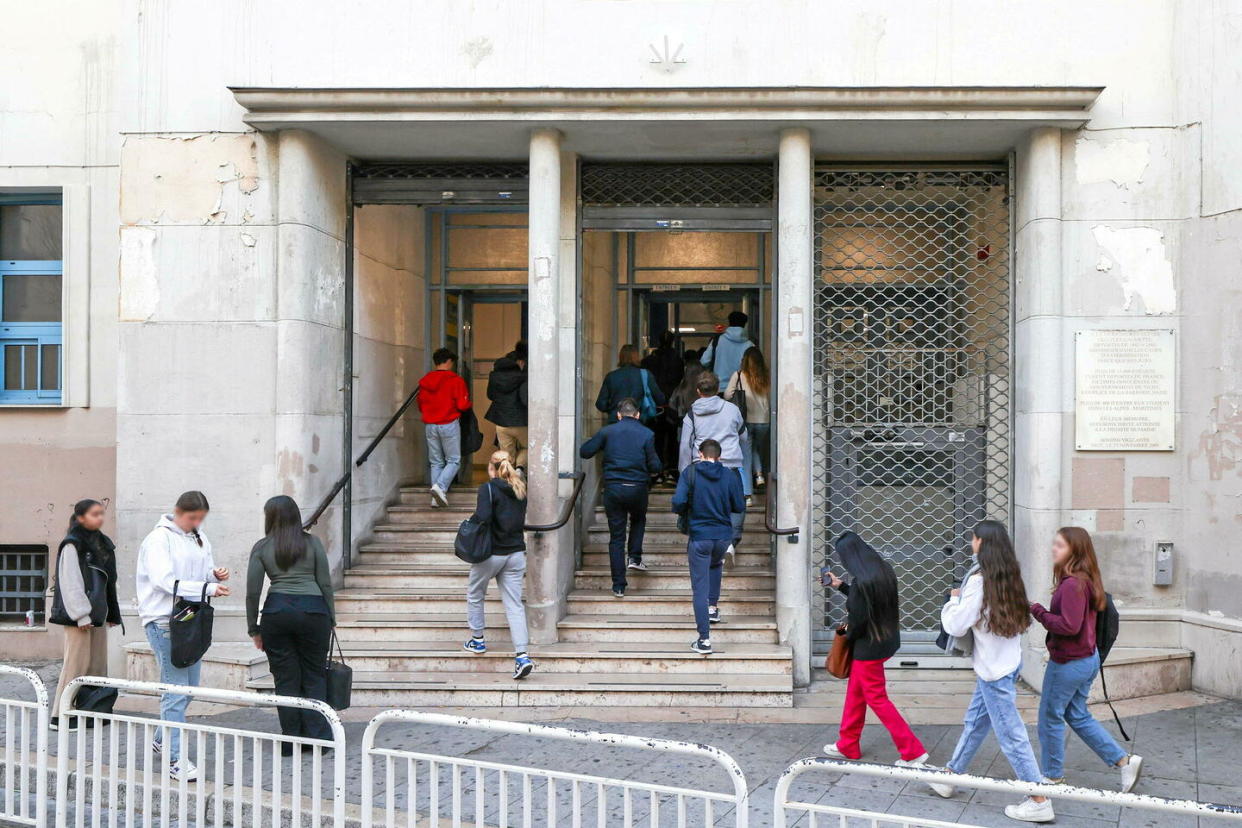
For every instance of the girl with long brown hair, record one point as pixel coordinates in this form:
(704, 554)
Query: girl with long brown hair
(1073, 660)
(992, 606)
(753, 381)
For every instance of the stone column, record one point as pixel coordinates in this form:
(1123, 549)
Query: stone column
(794, 421)
(544, 367)
(1041, 351)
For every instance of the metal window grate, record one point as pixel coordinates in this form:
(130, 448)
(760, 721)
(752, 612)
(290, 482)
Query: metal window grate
(677, 185)
(441, 183)
(458, 170)
(23, 582)
(912, 375)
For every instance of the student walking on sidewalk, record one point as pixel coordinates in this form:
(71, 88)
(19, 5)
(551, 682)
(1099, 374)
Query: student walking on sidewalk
(874, 635)
(630, 461)
(442, 397)
(992, 606)
(84, 555)
(175, 561)
(298, 615)
(506, 388)
(1073, 661)
(502, 506)
(709, 495)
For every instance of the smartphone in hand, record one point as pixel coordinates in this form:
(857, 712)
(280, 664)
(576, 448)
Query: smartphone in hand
(825, 576)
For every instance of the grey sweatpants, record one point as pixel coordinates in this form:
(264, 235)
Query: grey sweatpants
(509, 571)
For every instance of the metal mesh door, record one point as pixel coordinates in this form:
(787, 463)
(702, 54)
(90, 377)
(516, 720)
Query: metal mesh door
(911, 372)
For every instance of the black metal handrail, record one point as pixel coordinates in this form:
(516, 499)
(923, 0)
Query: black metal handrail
(769, 496)
(566, 512)
(362, 458)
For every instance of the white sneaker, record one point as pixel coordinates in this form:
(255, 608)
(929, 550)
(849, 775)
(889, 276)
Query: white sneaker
(833, 752)
(1130, 773)
(183, 769)
(940, 789)
(1028, 810)
(917, 762)
(438, 495)
(435, 504)
(759, 480)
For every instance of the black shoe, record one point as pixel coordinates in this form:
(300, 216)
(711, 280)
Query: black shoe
(703, 646)
(618, 592)
(713, 615)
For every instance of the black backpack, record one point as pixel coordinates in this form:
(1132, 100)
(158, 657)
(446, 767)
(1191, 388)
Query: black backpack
(1107, 628)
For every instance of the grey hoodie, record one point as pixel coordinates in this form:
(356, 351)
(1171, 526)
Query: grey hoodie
(712, 418)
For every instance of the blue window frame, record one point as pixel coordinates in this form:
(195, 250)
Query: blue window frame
(30, 308)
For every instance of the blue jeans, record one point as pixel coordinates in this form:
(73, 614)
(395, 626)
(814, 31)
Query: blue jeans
(172, 705)
(444, 452)
(706, 568)
(994, 707)
(1064, 699)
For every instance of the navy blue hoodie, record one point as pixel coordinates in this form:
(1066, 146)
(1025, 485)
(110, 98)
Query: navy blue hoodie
(717, 497)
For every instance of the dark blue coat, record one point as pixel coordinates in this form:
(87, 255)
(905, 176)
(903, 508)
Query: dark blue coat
(629, 451)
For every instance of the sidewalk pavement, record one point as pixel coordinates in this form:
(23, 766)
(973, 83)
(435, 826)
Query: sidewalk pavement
(1190, 752)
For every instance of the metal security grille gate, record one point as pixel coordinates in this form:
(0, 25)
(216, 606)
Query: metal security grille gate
(911, 374)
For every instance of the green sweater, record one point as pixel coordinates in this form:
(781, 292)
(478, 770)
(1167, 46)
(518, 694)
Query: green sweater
(309, 575)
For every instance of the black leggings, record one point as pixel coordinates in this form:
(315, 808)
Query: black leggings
(296, 644)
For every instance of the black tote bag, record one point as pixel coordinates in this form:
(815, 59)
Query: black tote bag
(473, 543)
(340, 678)
(189, 628)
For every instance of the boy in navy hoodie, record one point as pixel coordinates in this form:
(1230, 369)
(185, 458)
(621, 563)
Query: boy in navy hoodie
(708, 495)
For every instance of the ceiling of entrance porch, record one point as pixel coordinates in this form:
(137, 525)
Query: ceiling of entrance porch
(890, 123)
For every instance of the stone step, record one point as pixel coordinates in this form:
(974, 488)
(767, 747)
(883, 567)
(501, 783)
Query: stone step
(410, 601)
(406, 513)
(459, 497)
(1133, 672)
(417, 629)
(371, 555)
(446, 577)
(604, 659)
(639, 600)
(738, 577)
(544, 688)
(595, 556)
(754, 536)
(663, 629)
(229, 665)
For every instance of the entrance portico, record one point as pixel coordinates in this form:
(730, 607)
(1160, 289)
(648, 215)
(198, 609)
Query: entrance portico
(557, 129)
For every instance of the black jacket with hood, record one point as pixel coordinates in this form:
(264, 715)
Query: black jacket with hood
(506, 388)
(507, 514)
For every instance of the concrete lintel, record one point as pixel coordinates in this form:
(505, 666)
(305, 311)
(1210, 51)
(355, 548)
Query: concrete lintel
(274, 107)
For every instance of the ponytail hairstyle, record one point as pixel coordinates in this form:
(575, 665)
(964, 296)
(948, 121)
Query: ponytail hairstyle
(507, 472)
(1082, 563)
(282, 522)
(1006, 611)
(80, 508)
(192, 502)
(874, 579)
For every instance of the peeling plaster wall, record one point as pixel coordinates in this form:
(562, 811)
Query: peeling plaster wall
(389, 351)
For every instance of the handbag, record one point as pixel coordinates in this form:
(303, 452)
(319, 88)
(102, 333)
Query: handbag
(648, 410)
(473, 543)
(95, 699)
(739, 399)
(189, 628)
(683, 520)
(340, 678)
(841, 656)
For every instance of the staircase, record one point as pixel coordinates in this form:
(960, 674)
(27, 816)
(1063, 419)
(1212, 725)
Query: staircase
(401, 621)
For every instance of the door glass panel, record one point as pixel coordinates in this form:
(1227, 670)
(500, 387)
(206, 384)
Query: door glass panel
(30, 232)
(49, 368)
(31, 298)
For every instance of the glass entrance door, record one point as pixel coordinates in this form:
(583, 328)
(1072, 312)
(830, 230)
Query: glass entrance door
(695, 318)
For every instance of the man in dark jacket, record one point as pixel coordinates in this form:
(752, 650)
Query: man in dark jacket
(668, 367)
(506, 388)
(709, 495)
(629, 462)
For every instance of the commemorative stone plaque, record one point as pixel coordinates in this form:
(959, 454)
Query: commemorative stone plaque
(1124, 390)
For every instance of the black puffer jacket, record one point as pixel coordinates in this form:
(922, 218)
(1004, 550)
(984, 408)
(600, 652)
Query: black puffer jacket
(506, 388)
(507, 513)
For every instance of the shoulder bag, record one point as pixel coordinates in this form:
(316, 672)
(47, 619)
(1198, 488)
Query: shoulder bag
(648, 410)
(683, 520)
(841, 656)
(473, 543)
(189, 628)
(340, 677)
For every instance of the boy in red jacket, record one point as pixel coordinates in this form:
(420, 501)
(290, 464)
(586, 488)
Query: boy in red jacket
(442, 397)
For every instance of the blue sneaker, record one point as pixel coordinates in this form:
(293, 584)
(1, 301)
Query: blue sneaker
(475, 645)
(522, 667)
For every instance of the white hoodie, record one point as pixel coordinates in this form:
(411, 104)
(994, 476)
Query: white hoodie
(168, 555)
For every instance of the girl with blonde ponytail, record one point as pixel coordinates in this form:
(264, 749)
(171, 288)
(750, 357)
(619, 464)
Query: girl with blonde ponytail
(501, 507)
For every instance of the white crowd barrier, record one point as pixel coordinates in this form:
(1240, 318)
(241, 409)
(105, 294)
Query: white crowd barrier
(24, 788)
(786, 811)
(436, 790)
(243, 778)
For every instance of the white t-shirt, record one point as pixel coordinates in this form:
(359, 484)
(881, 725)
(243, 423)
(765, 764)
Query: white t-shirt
(993, 657)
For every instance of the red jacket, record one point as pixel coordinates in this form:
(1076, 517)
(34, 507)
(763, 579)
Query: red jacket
(442, 396)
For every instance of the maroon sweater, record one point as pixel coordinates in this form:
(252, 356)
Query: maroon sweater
(1069, 619)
